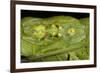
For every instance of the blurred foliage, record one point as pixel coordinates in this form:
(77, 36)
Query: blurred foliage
(57, 38)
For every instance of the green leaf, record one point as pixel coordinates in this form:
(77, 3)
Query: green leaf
(26, 48)
(85, 21)
(73, 56)
(83, 53)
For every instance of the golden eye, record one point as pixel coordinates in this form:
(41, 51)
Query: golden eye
(71, 31)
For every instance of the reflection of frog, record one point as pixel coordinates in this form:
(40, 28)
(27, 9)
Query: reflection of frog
(51, 35)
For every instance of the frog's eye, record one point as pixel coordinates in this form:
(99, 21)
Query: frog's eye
(71, 31)
(53, 30)
(60, 29)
